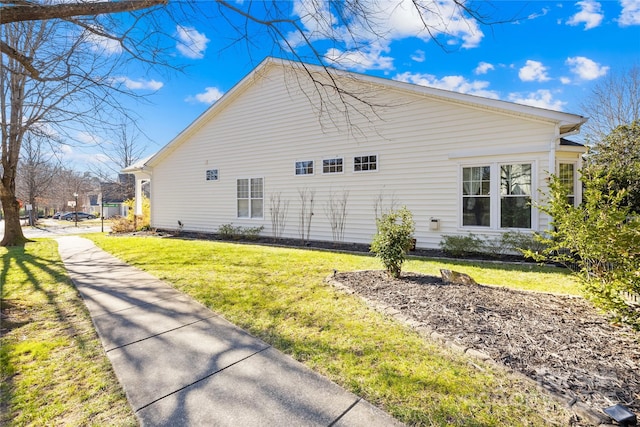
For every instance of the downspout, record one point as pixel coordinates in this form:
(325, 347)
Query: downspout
(552, 148)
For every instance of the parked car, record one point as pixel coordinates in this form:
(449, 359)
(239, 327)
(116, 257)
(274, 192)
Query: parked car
(57, 215)
(71, 216)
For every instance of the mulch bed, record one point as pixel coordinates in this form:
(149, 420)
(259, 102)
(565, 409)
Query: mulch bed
(560, 341)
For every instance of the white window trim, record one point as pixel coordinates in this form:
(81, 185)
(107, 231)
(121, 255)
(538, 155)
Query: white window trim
(366, 155)
(344, 164)
(295, 168)
(263, 198)
(494, 196)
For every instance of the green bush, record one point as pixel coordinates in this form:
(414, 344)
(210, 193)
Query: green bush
(231, 232)
(459, 246)
(393, 239)
(602, 239)
(516, 241)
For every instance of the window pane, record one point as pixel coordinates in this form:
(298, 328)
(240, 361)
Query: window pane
(476, 181)
(515, 212)
(256, 188)
(243, 208)
(256, 208)
(476, 211)
(243, 188)
(515, 180)
(566, 176)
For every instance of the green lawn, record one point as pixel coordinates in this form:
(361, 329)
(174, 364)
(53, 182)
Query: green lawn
(278, 294)
(53, 370)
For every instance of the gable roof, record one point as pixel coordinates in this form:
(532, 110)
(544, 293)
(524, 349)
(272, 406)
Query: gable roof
(566, 122)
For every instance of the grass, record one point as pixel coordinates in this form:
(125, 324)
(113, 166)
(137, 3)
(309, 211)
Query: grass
(278, 294)
(53, 369)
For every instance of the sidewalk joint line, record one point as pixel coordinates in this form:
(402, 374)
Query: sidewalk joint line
(161, 333)
(202, 379)
(132, 306)
(345, 412)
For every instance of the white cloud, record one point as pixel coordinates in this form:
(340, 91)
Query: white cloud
(585, 68)
(542, 98)
(630, 14)
(451, 83)
(484, 68)
(533, 71)
(387, 20)
(565, 80)
(138, 84)
(590, 14)
(209, 96)
(418, 56)
(89, 138)
(191, 43)
(361, 60)
(103, 44)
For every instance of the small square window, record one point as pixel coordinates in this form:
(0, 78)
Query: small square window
(304, 167)
(212, 175)
(332, 165)
(365, 163)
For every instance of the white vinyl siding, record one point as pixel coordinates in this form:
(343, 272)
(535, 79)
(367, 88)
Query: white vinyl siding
(269, 124)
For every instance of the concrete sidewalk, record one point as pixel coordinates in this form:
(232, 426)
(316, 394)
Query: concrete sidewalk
(181, 364)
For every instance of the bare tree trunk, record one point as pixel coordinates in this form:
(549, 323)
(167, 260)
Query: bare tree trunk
(13, 235)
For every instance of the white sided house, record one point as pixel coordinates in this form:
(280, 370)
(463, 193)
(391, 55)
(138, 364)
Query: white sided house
(283, 144)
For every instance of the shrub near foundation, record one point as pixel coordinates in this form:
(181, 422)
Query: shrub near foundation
(393, 239)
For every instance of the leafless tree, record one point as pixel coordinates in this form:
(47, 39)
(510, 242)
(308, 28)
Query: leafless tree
(381, 206)
(35, 176)
(336, 211)
(307, 199)
(613, 102)
(121, 148)
(279, 210)
(76, 93)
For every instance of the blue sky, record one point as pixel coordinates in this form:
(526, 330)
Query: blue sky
(548, 54)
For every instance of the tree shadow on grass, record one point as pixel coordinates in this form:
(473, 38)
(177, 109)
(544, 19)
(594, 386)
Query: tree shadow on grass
(34, 288)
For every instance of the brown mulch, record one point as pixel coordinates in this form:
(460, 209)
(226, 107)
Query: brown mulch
(559, 341)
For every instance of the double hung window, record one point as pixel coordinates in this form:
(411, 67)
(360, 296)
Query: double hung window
(476, 196)
(515, 196)
(250, 197)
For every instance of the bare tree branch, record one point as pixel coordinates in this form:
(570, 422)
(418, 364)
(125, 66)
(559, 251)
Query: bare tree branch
(15, 11)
